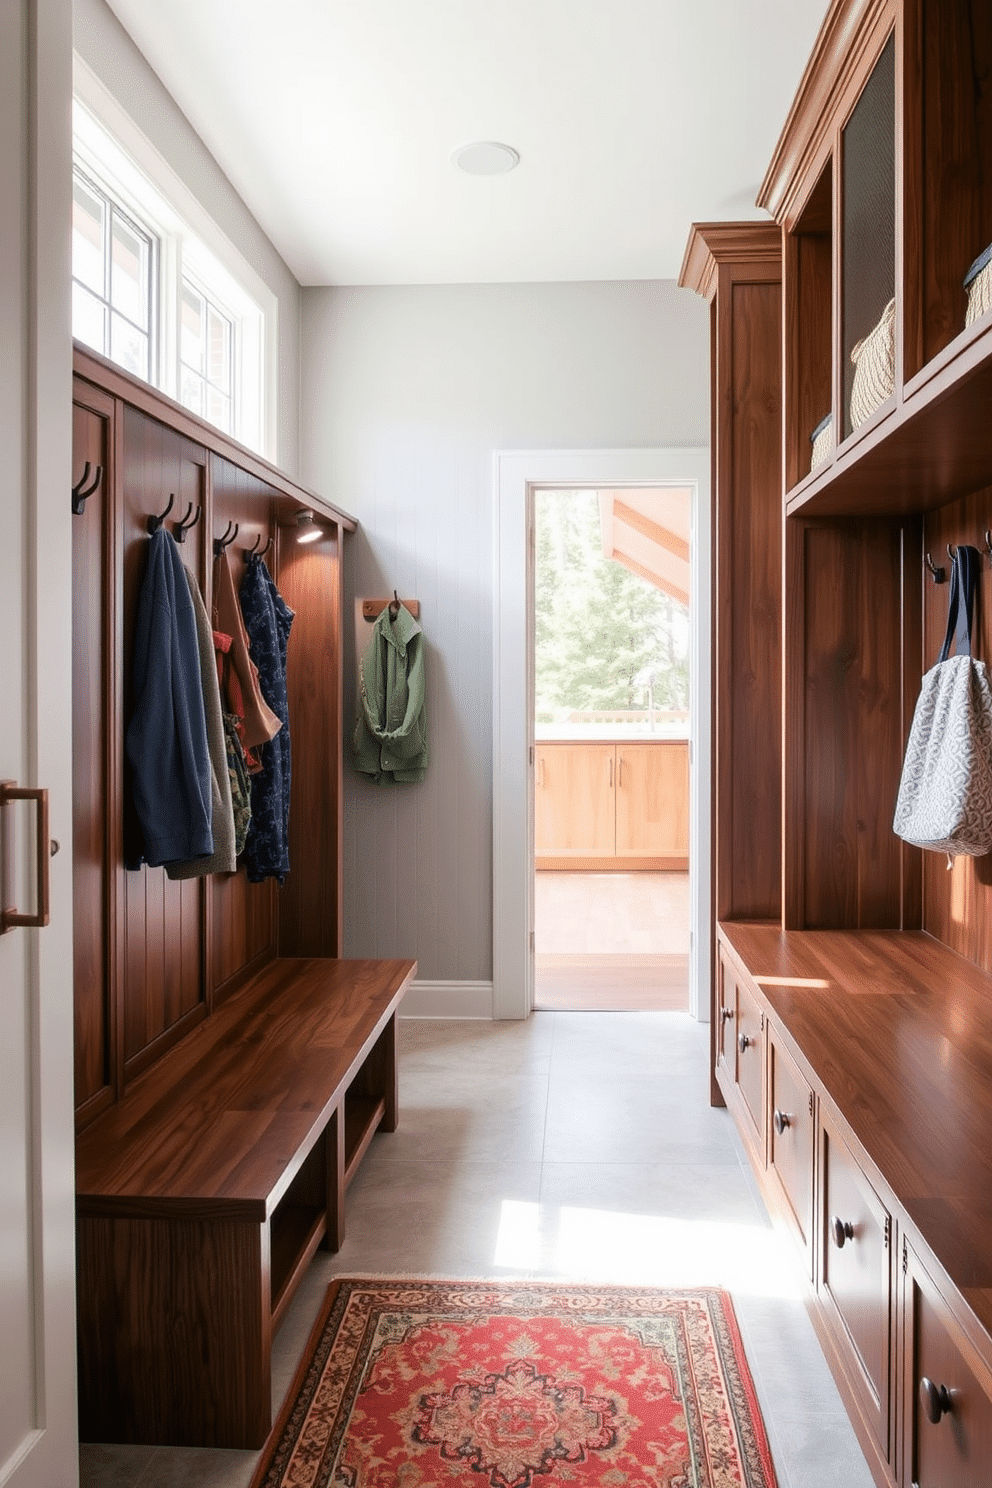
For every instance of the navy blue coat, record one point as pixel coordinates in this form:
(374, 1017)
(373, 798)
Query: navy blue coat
(166, 738)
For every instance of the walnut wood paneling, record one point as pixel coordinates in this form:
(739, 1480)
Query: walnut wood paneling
(957, 905)
(93, 812)
(179, 1310)
(310, 902)
(164, 983)
(852, 726)
(749, 608)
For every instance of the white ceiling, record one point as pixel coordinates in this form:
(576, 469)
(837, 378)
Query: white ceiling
(336, 119)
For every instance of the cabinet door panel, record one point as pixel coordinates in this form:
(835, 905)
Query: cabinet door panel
(574, 799)
(791, 1142)
(726, 1015)
(748, 1029)
(955, 1451)
(653, 799)
(854, 1281)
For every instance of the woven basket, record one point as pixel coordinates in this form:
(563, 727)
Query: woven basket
(874, 361)
(978, 283)
(821, 439)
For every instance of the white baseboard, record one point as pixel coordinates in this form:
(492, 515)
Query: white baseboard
(448, 1000)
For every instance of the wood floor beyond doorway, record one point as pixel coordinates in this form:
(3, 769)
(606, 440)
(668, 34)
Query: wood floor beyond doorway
(612, 941)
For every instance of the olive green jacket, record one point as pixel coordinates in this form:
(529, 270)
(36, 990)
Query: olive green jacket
(390, 739)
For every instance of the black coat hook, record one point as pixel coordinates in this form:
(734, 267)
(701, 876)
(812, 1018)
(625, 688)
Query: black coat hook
(184, 524)
(220, 543)
(251, 552)
(81, 490)
(394, 606)
(939, 574)
(154, 523)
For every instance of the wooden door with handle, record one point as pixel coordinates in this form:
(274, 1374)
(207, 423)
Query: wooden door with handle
(38, 1443)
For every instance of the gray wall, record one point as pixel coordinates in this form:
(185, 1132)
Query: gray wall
(406, 395)
(109, 52)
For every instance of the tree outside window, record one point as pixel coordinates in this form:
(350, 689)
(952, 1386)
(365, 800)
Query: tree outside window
(611, 648)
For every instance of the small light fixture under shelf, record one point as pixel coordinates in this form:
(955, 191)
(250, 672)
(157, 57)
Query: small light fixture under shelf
(308, 529)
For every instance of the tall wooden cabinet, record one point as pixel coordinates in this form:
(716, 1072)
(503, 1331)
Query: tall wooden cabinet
(737, 267)
(853, 1004)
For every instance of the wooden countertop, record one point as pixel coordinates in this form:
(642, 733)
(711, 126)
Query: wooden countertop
(218, 1126)
(898, 1029)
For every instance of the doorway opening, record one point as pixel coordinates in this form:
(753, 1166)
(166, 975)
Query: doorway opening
(610, 718)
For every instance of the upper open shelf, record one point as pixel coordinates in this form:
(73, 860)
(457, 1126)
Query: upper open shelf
(882, 183)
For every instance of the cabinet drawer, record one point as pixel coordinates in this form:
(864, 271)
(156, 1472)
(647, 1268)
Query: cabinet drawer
(749, 1052)
(947, 1405)
(854, 1283)
(791, 1143)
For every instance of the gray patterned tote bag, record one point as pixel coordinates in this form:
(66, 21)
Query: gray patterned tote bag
(945, 795)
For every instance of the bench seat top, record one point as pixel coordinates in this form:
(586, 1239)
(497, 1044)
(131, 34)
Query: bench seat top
(218, 1127)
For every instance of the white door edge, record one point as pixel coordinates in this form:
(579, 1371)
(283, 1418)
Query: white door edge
(516, 473)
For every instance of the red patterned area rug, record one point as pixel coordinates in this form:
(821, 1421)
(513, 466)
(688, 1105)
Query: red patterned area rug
(496, 1384)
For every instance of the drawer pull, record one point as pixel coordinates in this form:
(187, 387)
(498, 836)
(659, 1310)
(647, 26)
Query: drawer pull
(935, 1400)
(842, 1230)
(726, 1014)
(781, 1121)
(743, 1042)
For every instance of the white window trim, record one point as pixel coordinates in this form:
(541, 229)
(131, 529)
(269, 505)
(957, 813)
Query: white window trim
(187, 233)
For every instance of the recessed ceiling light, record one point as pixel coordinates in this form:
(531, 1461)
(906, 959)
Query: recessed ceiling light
(485, 158)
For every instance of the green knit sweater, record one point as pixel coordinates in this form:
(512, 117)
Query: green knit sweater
(390, 739)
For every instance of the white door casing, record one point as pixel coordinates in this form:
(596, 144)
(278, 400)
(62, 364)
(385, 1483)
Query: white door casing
(38, 1447)
(516, 476)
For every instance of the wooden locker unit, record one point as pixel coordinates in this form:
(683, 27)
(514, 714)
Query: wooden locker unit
(231, 1070)
(873, 968)
(737, 268)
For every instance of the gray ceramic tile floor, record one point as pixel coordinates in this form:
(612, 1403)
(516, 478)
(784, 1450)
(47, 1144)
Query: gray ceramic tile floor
(575, 1145)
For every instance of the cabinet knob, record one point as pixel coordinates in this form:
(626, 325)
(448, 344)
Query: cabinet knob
(743, 1042)
(781, 1121)
(841, 1230)
(935, 1400)
(726, 1014)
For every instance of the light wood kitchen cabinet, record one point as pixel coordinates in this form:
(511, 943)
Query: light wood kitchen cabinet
(653, 799)
(574, 798)
(610, 806)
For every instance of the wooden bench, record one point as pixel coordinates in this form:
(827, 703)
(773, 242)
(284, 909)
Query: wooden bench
(203, 1194)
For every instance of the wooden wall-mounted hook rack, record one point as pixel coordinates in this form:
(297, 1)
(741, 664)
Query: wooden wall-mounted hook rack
(373, 608)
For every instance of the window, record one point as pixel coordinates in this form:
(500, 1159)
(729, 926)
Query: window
(206, 355)
(113, 261)
(156, 286)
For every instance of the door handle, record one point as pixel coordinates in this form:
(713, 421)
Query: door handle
(10, 919)
(620, 772)
(611, 772)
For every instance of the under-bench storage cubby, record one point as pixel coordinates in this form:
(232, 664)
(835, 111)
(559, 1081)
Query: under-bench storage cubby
(231, 1070)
